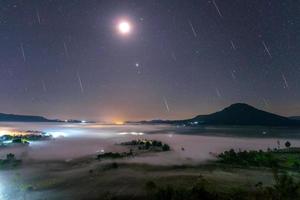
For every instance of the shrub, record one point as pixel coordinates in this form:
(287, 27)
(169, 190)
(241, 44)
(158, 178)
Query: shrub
(150, 186)
(10, 157)
(165, 147)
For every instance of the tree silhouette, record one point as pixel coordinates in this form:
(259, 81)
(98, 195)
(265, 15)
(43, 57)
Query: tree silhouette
(287, 144)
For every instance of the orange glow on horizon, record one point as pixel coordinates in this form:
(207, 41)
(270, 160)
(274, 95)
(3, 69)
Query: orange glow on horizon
(119, 122)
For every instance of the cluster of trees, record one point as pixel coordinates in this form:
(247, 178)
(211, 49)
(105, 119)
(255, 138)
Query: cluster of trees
(140, 144)
(147, 144)
(10, 161)
(249, 158)
(25, 138)
(112, 155)
(10, 157)
(276, 158)
(19, 140)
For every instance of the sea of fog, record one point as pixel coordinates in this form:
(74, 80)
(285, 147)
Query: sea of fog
(81, 140)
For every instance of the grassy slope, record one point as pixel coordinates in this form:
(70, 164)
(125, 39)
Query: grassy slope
(64, 182)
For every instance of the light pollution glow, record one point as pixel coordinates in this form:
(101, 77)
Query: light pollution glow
(119, 122)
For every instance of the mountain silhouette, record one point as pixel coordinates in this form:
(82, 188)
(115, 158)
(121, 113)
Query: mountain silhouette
(236, 114)
(24, 118)
(244, 114)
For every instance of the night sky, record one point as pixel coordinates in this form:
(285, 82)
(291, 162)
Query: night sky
(67, 59)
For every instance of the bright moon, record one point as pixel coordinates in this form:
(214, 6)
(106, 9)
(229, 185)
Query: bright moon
(124, 27)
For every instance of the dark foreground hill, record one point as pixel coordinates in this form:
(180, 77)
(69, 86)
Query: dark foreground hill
(295, 117)
(236, 114)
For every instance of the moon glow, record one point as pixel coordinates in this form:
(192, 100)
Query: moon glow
(124, 27)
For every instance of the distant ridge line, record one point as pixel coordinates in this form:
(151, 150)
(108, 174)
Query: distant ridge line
(240, 114)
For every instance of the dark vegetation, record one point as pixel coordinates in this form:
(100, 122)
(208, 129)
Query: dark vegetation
(287, 144)
(249, 158)
(23, 138)
(136, 147)
(9, 162)
(284, 188)
(112, 155)
(288, 158)
(13, 140)
(152, 145)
